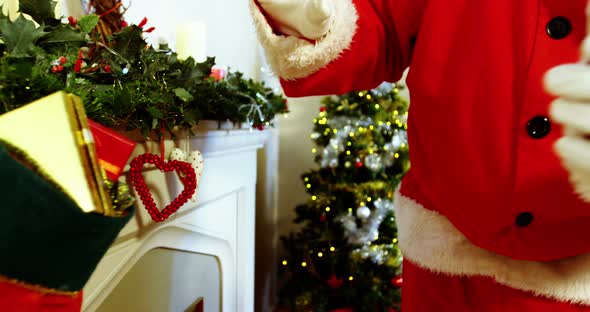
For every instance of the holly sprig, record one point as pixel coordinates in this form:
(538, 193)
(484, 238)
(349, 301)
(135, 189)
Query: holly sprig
(123, 82)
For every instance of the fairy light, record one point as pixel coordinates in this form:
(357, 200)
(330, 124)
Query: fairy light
(403, 145)
(395, 113)
(395, 240)
(361, 94)
(315, 121)
(327, 209)
(351, 134)
(349, 143)
(348, 152)
(396, 155)
(323, 114)
(284, 262)
(371, 127)
(335, 131)
(386, 148)
(349, 209)
(350, 278)
(381, 123)
(371, 151)
(314, 197)
(389, 123)
(376, 106)
(314, 150)
(268, 123)
(303, 264)
(308, 186)
(369, 97)
(306, 179)
(362, 204)
(320, 254)
(332, 249)
(369, 199)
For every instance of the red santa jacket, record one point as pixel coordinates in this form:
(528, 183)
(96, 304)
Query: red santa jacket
(479, 133)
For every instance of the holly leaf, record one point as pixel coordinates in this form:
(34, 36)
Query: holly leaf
(63, 35)
(156, 113)
(19, 36)
(129, 41)
(42, 11)
(88, 22)
(183, 94)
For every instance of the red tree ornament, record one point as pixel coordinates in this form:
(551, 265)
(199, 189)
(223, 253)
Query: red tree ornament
(334, 282)
(322, 109)
(397, 281)
(188, 180)
(323, 218)
(358, 164)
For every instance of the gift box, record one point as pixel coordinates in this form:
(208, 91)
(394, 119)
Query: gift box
(112, 149)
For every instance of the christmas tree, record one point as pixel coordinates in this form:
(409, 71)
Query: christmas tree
(345, 255)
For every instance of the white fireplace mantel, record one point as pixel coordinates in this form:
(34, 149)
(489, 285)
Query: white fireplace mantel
(221, 223)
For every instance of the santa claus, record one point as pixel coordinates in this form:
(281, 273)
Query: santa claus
(494, 213)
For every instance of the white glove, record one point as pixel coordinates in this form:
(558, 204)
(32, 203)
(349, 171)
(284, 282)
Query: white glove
(571, 83)
(310, 19)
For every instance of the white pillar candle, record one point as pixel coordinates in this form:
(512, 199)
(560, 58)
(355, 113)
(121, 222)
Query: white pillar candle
(191, 40)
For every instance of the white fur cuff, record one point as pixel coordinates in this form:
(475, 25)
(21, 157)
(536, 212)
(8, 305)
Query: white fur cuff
(292, 58)
(430, 241)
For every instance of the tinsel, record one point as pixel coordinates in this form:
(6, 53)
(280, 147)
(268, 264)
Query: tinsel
(369, 231)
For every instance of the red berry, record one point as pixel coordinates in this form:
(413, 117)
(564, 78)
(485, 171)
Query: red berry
(54, 69)
(322, 109)
(323, 218)
(62, 59)
(260, 127)
(72, 21)
(107, 68)
(124, 24)
(358, 164)
(60, 68)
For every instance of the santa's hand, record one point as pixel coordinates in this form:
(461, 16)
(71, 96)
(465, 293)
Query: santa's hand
(571, 84)
(309, 19)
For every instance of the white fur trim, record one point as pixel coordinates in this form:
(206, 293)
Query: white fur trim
(293, 58)
(430, 241)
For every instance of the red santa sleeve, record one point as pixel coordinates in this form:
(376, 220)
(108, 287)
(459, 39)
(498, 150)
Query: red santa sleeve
(369, 42)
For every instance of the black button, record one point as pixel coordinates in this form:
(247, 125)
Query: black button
(559, 28)
(524, 219)
(538, 127)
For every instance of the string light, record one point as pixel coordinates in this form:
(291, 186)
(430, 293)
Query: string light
(395, 113)
(268, 123)
(320, 254)
(389, 123)
(327, 209)
(369, 199)
(396, 155)
(403, 145)
(350, 278)
(381, 123)
(314, 197)
(371, 127)
(395, 240)
(303, 264)
(306, 179)
(369, 97)
(308, 186)
(362, 204)
(349, 143)
(315, 121)
(335, 131)
(332, 249)
(351, 134)
(370, 151)
(348, 153)
(361, 94)
(376, 106)
(284, 262)
(314, 150)
(349, 209)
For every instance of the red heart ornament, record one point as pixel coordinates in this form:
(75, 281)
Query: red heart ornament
(189, 182)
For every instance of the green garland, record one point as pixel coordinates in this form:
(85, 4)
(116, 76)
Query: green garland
(123, 82)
